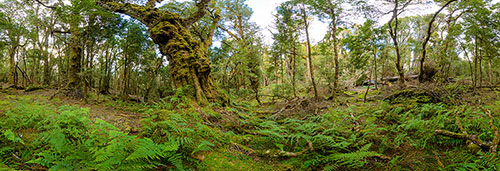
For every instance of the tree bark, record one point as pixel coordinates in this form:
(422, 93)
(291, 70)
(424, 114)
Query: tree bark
(188, 58)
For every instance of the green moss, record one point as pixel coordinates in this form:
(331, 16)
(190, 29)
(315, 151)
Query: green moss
(225, 160)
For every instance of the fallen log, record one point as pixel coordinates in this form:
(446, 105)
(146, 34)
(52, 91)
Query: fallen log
(34, 88)
(474, 139)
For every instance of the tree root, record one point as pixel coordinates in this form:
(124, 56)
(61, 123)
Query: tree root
(492, 146)
(274, 152)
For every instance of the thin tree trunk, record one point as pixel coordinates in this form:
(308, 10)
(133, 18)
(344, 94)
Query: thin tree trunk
(480, 67)
(476, 55)
(125, 76)
(335, 51)
(470, 67)
(393, 33)
(311, 68)
(12, 61)
(374, 70)
(294, 71)
(490, 72)
(25, 73)
(428, 36)
(368, 87)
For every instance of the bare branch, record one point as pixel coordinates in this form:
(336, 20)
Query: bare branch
(62, 32)
(229, 32)
(46, 6)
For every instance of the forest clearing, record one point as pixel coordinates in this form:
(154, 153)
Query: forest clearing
(203, 85)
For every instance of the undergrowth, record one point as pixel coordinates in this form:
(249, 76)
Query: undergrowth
(175, 135)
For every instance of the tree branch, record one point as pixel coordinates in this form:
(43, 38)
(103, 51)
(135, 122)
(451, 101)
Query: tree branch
(202, 10)
(62, 32)
(229, 32)
(46, 6)
(152, 3)
(147, 15)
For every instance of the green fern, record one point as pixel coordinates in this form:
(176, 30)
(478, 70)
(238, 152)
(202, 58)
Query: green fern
(354, 159)
(11, 136)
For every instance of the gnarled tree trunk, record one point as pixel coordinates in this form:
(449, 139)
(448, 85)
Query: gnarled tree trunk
(188, 60)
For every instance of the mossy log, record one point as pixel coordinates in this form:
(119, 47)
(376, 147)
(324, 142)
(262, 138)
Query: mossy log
(34, 88)
(188, 58)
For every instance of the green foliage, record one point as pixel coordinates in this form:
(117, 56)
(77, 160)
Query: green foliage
(9, 135)
(67, 140)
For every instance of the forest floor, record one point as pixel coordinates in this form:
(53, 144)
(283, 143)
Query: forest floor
(120, 118)
(391, 130)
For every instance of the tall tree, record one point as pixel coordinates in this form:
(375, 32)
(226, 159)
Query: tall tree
(305, 17)
(13, 32)
(330, 9)
(427, 37)
(243, 40)
(393, 31)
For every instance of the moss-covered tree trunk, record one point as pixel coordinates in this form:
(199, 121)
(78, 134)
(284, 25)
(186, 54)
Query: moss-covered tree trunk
(74, 85)
(188, 60)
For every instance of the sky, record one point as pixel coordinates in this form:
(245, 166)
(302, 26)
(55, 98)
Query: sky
(263, 10)
(262, 15)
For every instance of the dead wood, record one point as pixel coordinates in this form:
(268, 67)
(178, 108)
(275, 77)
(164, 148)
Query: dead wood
(274, 152)
(492, 146)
